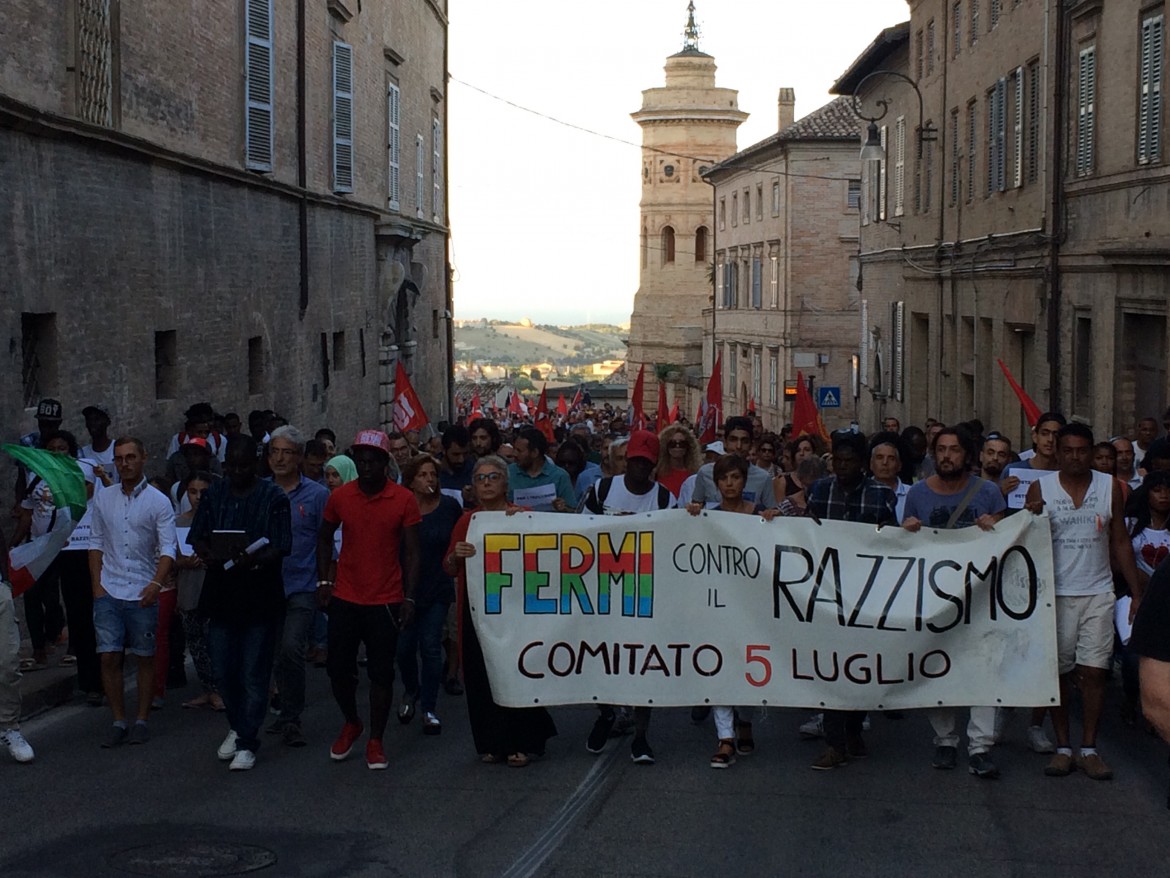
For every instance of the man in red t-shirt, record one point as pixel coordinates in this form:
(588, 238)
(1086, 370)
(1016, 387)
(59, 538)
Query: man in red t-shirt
(371, 595)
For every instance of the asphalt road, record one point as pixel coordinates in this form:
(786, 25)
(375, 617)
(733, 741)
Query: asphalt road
(169, 806)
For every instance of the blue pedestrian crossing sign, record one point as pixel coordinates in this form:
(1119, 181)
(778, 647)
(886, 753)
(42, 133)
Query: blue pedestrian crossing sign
(829, 397)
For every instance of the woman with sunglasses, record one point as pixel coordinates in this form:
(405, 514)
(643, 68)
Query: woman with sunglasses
(501, 734)
(678, 457)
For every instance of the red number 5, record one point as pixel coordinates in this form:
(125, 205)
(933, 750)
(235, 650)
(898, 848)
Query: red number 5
(754, 656)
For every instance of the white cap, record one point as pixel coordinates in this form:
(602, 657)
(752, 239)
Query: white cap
(715, 447)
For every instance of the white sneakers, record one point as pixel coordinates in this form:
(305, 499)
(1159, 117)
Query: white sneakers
(1038, 741)
(244, 760)
(227, 750)
(18, 747)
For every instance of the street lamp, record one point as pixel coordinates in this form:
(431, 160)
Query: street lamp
(872, 150)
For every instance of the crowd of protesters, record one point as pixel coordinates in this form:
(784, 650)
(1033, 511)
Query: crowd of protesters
(261, 553)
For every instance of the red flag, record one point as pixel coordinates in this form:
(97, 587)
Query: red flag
(476, 408)
(639, 415)
(562, 406)
(514, 402)
(806, 419)
(578, 397)
(711, 410)
(751, 406)
(543, 421)
(662, 413)
(1031, 410)
(672, 415)
(408, 410)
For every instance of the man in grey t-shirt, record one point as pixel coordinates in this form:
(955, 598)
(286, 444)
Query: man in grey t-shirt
(953, 497)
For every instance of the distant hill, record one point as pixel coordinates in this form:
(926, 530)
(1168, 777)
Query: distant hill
(499, 342)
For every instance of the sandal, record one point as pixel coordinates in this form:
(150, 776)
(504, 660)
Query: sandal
(745, 744)
(490, 758)
(724, 757)
(518, 760)
(198, 702)
(217, 703)
(406, 709)
(68, 660)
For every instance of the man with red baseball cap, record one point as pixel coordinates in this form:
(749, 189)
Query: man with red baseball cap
(369, 591)
(635, 491)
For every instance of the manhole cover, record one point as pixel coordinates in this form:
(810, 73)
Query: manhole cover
(193, 858)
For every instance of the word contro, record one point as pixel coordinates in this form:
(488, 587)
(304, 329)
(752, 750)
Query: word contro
(904, 590)
(585, 577)
(563, 659)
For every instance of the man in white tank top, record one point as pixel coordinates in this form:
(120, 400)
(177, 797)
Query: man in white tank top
(1088, 532)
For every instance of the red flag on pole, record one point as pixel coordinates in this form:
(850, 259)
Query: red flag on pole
(751, 406)
(672, 415)
(806, 419)
(408, 410)
(562, 406)
(543, 421)
(476, 407)
(1031, 410)
(514, 403)
(711, 410)
(639, 415)
(578, 397)
(663, 413)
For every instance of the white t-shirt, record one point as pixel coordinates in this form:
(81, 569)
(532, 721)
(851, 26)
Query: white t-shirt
(39, 500)
(620, 500)
(1150, 548)
(1080, 537)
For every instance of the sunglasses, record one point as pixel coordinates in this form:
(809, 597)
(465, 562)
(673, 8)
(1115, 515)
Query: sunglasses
(676, 443)
(488, 477)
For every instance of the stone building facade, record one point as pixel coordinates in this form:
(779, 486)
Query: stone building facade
(688, 125)
(786, 213)
(1027, 225)
(242, 202)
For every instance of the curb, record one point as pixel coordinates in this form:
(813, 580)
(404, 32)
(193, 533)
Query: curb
(41, 691)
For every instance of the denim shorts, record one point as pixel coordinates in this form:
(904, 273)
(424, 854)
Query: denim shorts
(124, 625)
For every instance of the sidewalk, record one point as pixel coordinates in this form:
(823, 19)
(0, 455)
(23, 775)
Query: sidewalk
(42, 690)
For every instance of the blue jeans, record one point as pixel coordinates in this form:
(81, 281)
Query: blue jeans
(241, 658)
(290, 660)
(424, 637)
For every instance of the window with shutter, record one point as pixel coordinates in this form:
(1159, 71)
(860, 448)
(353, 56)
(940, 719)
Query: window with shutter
(994, 16)
(773, 379)
(900, 166)
(930, 47)
(757, 376)
(720, 268)
(436, 169)
(972, 148)
(1000, 135)
(1149, 142)
(1033, 121)
(853, 194)
(955, 152)
(394, 145)
(957, 28)
(973, 36)
(1086, 97)
(899, 350)
(258, 75)
(927, 172)
(1018, 128)
(757, 283)
(420, 166)
(775, 281)
(342, 117)
(883, 188)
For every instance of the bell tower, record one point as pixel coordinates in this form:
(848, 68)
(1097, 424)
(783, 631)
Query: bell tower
(688, 125)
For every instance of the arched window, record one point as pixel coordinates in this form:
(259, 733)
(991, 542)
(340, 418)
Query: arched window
(701, 244)
(667, 245)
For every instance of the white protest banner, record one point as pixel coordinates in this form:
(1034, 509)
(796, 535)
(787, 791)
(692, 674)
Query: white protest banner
(669, 609)
(1015, 499)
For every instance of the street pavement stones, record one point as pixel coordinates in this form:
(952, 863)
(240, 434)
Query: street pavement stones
(151, 810)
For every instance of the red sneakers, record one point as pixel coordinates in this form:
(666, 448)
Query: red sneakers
(376, 756)
(342, 747)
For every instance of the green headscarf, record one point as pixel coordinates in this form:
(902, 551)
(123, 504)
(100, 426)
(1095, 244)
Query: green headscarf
(344, 467)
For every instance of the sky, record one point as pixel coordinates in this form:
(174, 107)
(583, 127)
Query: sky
(544, 215)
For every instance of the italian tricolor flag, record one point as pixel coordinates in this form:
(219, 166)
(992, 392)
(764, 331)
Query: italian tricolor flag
(61, 473)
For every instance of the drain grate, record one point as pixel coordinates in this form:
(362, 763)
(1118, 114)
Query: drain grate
(182, 859)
